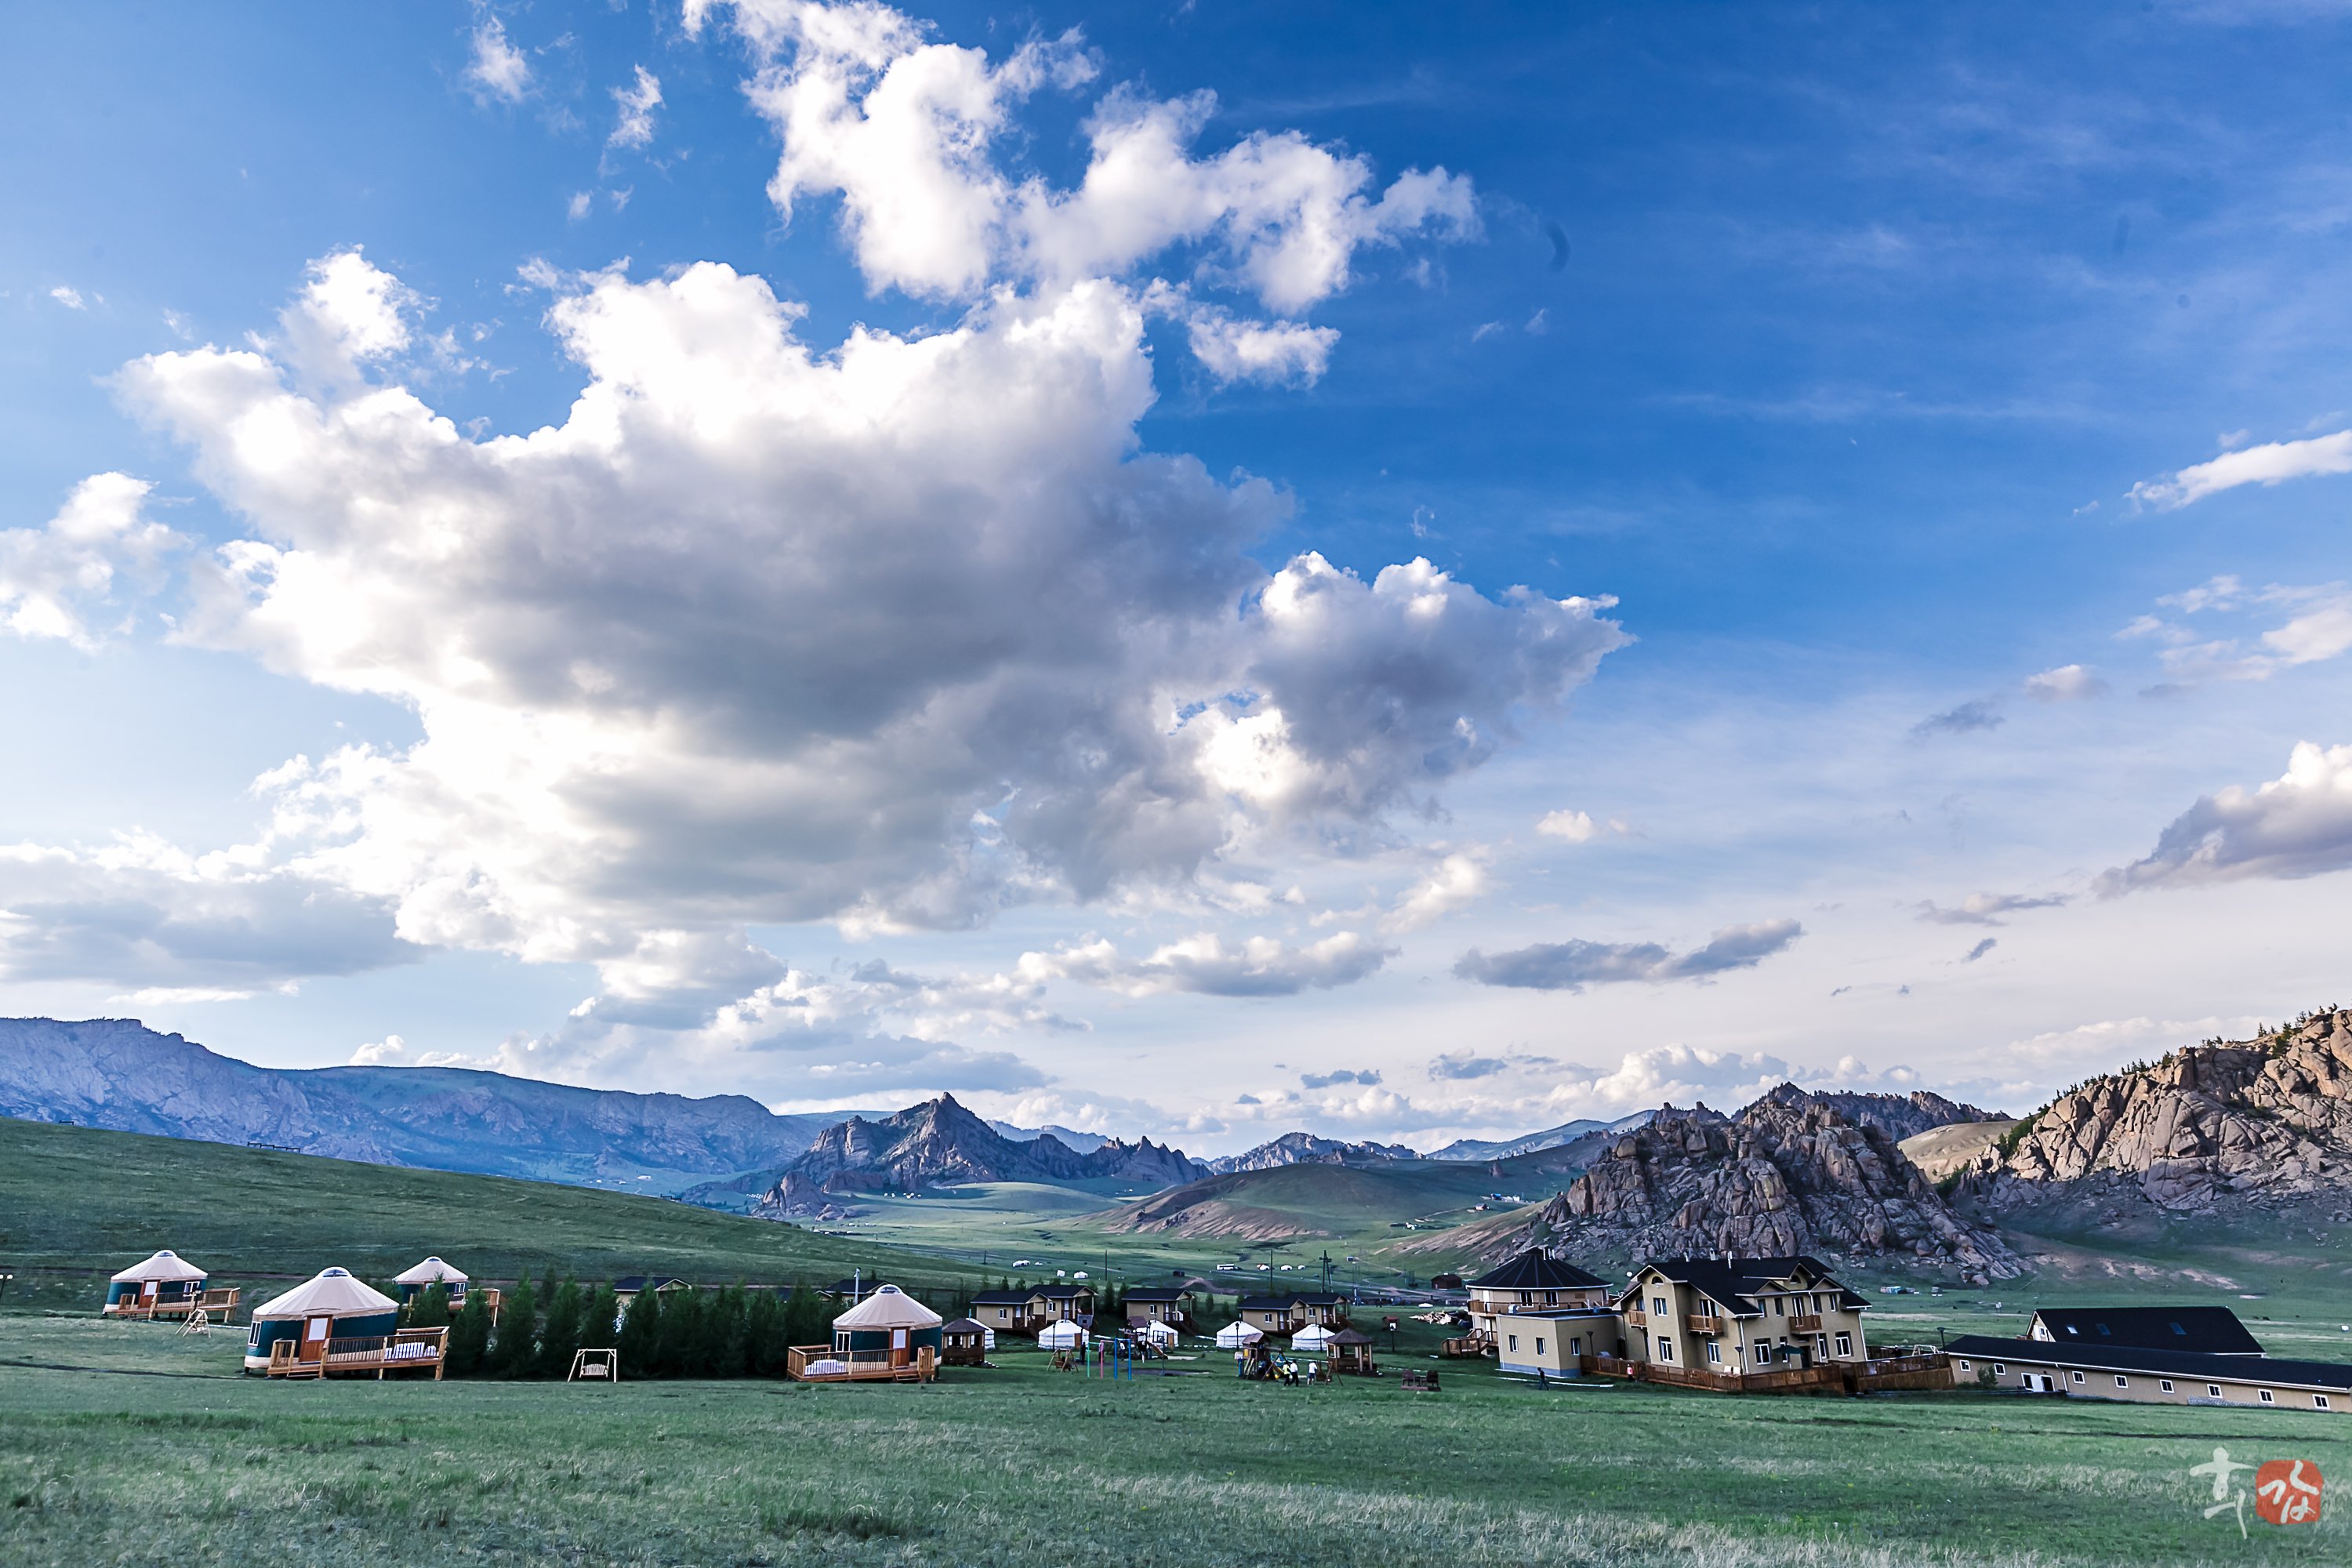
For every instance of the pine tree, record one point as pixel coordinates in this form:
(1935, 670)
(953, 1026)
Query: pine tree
(516, 1344)
(600, 1320)
(681, 1333)
(469, 1336)
(559, 1340)
(763, 1335)
(728, 1333)
(804, 1316)
(640, 1336)
(428, 1309)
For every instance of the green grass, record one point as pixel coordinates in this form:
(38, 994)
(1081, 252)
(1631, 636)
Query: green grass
(154, 1455)
(76, 1204)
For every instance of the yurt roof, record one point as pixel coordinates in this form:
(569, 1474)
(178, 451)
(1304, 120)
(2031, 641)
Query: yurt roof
(887, 1307)
(332, 1292)
(1237, 1334)
(1312, 1335)
(1062, 1333)
(166, 1265)
(432, 1272)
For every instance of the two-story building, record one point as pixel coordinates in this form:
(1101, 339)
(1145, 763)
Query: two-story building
(1027, 1308)
(1739, 1315)
(1168, 1304)
(1539, 1315)
(1287, 1314)
(2163, 1356)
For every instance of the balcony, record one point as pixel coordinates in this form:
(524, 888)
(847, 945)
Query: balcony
(1805, 1323)
(1638, 1317)
(1704, 1323)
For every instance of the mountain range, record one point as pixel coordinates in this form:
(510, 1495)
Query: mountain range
(1306, 1149)
(1467, 1150)
(117, 1073)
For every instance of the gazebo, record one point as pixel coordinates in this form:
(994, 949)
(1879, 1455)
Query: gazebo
(333, 1323)
(887, 1335)
(964, 1343)
(165, 1284)
(1351, 1350)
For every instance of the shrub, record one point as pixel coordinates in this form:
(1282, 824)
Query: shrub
(469, 1336)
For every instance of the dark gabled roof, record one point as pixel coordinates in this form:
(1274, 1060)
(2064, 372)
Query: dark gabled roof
(1349, 1337)
(2326, 1375)
(637, 1284)
(964, 1326)
(1531, 1270)
(1157, 1293)
(1000, 1298)
(1296, 1298)
(2211, 1331)
(1730, 1284)
(1063, 1293)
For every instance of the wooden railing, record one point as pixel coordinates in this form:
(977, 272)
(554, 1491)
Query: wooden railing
(1637, 1316)
(1704, 1323)
(1805, 1323)
(409, 1350)
(161, 1306)
(822, 1363)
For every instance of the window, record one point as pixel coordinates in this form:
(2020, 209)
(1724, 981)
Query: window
(1538, 1345)
(2212, 1390)
(2319, 1402)
(1763, 1355)
(1575, 1345)
(1779, 1307)
(1514, 1344)
(2268, 1397)
(2181, 1332)
(1714, 1352)
(1821, 1346)
(1999, 1370)
(2122, 1381)
(1665, 1348)
(1845, 1344)
(2078, 1377)
(1658, 1305)
(2166, 1383)
(1965, 1367)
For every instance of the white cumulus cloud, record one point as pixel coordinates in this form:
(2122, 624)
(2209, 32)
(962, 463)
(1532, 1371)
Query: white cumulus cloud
(2269, 464)
(637, 101)
(498, 70)
(2297, 824)
(53, 578)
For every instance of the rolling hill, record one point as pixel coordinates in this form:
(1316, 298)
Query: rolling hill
(76, 1204)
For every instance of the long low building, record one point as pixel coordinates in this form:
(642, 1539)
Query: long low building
(2090, 1370)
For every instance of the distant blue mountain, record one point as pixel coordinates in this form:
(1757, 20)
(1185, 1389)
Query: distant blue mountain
(1468, 1149)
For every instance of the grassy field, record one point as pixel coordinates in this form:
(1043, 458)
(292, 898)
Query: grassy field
(123, 1443)
(76, 1204)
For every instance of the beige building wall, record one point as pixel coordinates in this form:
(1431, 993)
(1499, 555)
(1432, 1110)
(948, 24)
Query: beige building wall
(2151, 1388)
(1838, 1337)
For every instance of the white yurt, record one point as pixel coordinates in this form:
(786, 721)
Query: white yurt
(414, 1282)
(1236, 1334)
(164, 1281)
(331, 1305)
(1158, 1333)
(890, 1321)
(1312, 1337)
(1061, 1336)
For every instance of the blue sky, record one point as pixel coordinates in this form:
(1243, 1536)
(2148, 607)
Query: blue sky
(1945, 403)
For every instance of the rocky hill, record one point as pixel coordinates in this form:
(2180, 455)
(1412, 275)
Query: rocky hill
(1791, 1174)
(939, 1143)
(1899, 1116)
(117, 1073)
(1306, 1149)
(2267, 1120)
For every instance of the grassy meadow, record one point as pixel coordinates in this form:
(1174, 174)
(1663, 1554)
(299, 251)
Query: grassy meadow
(124, 1443)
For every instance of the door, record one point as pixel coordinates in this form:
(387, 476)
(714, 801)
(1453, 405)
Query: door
(147, 1293)
(315, 1334)
(897, 1347)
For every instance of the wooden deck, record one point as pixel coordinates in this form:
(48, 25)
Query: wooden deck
(176, 1308)
(1884, 1374)
(410, 1350)
(822, 1363)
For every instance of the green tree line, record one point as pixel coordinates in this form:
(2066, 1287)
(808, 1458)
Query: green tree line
(732, 1332)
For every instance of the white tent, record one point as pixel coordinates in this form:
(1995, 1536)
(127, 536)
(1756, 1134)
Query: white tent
(432, 1272)
(1312, 1337)
(332, 1293)
(1158, 1333)
(164, 1266)
(888, 1307)
(1061, 1336)
(1236, 1334)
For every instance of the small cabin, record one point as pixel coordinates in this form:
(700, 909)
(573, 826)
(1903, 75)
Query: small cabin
(165, 1285)
(629, 1287)
(335, 1325)
(1288, 1314)
(964, 1343)
(887, 1335)
(1168, 1304)
(1030, 1308)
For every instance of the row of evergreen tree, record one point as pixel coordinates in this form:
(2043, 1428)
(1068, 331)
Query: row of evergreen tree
(733, 1331)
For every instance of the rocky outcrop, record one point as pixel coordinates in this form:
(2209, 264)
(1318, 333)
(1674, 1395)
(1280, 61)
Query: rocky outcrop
(117, 1073)
(2268, 1119)
(939, 1144)
(1789, 1175)
(1899, 1116)
(1306, 1149)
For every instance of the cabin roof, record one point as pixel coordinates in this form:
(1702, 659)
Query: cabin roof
(1000, 1298)
(1531, 1270)
(1297, 1298)
(2214, 1331)
(1732, 1284)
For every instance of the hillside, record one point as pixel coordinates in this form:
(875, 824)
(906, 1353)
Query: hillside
(76, 1204)
(1465, 1149)
(1788, 1175)
(1312, 1199)
(939, 1143)
(2265, 1123)
(118, 1074)
(1942, 1152)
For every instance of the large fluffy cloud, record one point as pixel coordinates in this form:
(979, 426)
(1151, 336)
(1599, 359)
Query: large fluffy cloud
(1572, 965)
(2297, 824)
(892, 632)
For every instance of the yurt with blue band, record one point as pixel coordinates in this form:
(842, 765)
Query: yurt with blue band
(332, 1306)
(889, 1328)
(415, 1281)
(166, 1284)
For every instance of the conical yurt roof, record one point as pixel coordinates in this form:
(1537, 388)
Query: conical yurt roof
(1235, 1334)
(332, 1292)
(887, 1307)
(1155, 1331)
(165, 1265)
(432, 1272)
(1060, 1335)
(1311, 1337)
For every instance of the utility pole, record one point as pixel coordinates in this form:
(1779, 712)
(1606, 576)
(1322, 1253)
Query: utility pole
(1327, 1269)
